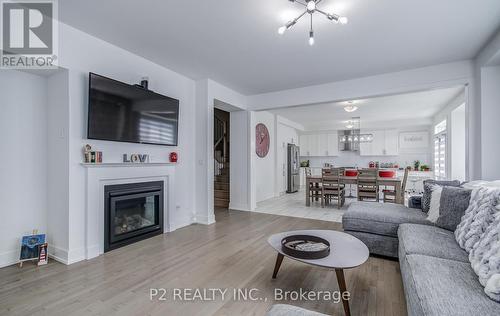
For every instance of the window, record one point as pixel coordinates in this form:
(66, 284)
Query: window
(439, 128)
(440, 151)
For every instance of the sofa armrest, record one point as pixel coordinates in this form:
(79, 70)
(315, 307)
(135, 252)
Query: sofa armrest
(415, 202)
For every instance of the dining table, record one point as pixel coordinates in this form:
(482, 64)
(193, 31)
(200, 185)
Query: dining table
(381, 182)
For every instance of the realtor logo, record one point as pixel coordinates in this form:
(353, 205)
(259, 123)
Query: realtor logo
(29, 34)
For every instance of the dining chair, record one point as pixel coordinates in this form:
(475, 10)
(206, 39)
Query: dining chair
(367, 184)
(332, 188)
(390, 194)
(314, 188)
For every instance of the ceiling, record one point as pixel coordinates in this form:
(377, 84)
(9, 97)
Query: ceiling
(398, 110)
(236, 42)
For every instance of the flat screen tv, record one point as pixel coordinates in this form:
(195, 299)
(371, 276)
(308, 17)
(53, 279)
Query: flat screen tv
(126, 113)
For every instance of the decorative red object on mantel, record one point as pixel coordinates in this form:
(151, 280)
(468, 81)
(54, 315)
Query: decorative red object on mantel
(173, 156)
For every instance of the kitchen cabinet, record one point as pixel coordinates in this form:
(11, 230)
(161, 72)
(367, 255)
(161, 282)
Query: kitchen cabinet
(313, 145)
(391, 142)
(319, 145)
(304, 145)
(385, 143)
(332, 148)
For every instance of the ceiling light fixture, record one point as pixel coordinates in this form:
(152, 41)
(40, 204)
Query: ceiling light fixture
(311, 8)
(353, 135)
(350, 107)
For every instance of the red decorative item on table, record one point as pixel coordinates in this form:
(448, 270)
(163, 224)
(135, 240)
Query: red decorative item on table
(387, 173)
(351, 173)
(173, 157)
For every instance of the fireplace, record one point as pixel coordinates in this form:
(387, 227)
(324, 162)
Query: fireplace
(132, 212)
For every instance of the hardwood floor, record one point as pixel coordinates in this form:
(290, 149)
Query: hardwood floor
(233, 253)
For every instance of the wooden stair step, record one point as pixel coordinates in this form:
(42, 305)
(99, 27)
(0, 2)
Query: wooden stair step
(221, 186)
(221, 194)
(221, 203)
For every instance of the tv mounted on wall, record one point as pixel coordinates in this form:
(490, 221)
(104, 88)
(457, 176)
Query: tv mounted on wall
(126, 113)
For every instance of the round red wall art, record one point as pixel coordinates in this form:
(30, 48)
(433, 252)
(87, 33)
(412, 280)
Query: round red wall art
(262, 140)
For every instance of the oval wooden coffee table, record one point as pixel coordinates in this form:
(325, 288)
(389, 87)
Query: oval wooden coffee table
(346, 252)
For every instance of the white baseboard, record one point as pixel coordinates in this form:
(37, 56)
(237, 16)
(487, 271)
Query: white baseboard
(93, 252)
(66, 257)
(203, 219)
(239, 207)
(58, 254)
(61, 255)
(176, 225)
(9, 258)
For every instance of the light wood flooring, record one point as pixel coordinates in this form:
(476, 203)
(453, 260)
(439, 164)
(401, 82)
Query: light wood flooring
(233, 253)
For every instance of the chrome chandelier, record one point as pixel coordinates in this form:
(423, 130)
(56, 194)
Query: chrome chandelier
(311, 7)
(355, 136)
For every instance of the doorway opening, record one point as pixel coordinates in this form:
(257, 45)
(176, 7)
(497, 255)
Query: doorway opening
(221, 158)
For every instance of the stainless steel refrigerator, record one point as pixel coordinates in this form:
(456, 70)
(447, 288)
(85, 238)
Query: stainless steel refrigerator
(293, 169)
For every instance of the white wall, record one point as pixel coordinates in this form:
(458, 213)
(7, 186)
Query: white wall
(458, 143)
(478, 147)
(23, 170)
(264, 168)
(239, 157)
(460, 137)
(58, 164)
(490, 127)
(111, 61)
(207, 91)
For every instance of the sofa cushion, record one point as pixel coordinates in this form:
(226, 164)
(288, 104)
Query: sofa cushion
(426, 198)
(289, 310)
(437, 286)
(378, 244)
(381, 219)
(430, 241)
(452, 206)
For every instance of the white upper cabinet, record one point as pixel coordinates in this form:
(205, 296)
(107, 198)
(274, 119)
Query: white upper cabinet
(304, 145)
(385, 143)
(319, 145)
(374, 148)
(333, 144)
(313, 145)
(321, 148)
(391, 142)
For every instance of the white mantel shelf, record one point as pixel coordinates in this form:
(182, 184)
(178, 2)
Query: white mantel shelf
(122, 164)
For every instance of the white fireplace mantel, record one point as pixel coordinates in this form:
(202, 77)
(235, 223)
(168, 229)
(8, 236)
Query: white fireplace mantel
(126, 164)
(100, 175)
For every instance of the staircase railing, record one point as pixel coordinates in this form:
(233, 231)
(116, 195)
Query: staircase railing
(220, 134)
(220, 164)
(219, 131)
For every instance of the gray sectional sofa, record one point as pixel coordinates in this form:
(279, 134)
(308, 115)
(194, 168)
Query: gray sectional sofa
(437, 276)
(377, 224)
